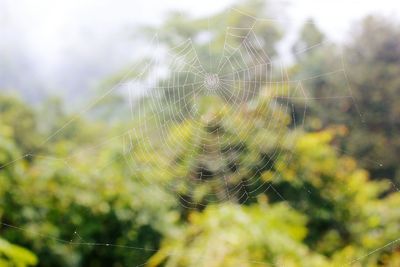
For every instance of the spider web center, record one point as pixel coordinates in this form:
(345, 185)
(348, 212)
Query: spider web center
(211, 81)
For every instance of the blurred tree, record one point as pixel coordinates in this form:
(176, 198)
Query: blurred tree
(12, 255)
(66, 204)
(19, 121)
(346, 213)
(310, 36)
(367, 104)
(373, 60)
(234, 235)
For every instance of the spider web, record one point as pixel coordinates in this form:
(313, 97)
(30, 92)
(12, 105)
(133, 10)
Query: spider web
(244, 67)
(243, 72)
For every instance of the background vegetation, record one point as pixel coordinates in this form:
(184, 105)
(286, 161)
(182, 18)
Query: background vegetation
(259, 181)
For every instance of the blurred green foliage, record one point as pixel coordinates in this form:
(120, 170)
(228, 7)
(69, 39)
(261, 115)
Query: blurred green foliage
(220, 183)
(12, 255)
(367, 87)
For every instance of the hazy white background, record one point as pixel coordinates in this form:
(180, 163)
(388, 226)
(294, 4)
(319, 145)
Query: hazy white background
(60, 45)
